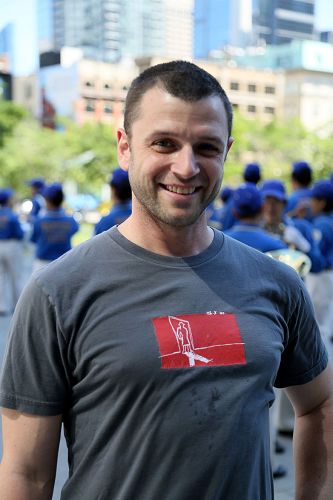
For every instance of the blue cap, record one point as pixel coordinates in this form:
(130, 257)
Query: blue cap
(274, 188)
(226, 193)
(247, 200)
(5, 195)
(323, 190)
(37, 182)
(119, 177)
(252, 172)
(300, 167)
(52, 191)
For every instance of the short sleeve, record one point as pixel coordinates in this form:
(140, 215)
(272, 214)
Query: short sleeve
(34, 377)
(305, 355)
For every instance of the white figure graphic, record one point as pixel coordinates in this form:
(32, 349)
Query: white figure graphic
(182, 331)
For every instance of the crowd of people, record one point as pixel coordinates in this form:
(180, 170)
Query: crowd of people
(159, 343)
(46, 232)
(261, 214)
(44, 235)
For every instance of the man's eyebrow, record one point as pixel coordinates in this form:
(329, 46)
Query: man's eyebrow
(170, 133)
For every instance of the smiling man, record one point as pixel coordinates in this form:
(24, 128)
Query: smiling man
(157, 343)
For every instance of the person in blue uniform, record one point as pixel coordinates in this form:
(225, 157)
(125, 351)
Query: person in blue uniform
(38, 203)
(296, 233)
(121, 196)
(252, 173)
(299, 199)
(217, 216)
(247, 209)
(320, 285)
(11, 235)
(53, 231)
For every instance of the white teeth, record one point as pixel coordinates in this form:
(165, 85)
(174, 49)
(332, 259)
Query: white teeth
(180, 190)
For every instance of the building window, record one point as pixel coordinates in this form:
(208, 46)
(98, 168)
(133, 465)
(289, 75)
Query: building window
(234, 86)
(107, 108)
(89, 83)
(107, 86)
(269, 89)
(270, 110)
(252, 88)
(235, 106)
(251, 108)
(90, 106)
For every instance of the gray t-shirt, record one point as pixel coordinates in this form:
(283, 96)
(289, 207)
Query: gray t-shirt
(162, 367)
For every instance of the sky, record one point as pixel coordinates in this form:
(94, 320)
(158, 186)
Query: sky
(23, 12)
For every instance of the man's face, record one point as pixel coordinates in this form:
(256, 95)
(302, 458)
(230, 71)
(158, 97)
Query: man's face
(273, 209)
(175, 156)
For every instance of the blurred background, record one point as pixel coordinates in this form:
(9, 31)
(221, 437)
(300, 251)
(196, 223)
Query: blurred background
(65, 66)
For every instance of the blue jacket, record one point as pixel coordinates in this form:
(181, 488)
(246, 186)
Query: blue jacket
(10, 227)
(323, 225)
(296, 196)
(118, 213)
(318, 260)
(255, 237)
(52, 234)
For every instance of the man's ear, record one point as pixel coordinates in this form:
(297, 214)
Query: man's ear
(123, 149)
(230, 143)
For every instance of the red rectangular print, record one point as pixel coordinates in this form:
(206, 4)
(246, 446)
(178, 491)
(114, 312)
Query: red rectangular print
(192, 340)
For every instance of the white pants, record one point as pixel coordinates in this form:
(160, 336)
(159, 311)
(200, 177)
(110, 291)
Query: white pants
(10, 274)
(320, 287)
(284, 412)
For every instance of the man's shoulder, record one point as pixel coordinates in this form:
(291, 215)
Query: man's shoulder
(80, 259)
(253, 261)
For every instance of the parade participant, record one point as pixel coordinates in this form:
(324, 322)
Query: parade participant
(38, 203)
(158, 342)
(53, 231)
(218, 216)
(121, 196)
(301, 178)
(11, 234)
(252, 173)
(296, 233)
(320, 285)
(247, 208)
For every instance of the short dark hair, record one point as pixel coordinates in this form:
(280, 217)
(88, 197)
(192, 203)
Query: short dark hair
(302, 173)
(56, 199)
(181, 79)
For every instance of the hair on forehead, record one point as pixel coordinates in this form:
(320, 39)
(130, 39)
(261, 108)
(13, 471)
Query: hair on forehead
(181, 79)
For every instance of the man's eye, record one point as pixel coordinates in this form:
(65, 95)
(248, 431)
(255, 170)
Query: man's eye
(163, 144)
(207, 148)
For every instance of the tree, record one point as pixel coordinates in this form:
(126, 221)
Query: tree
(10, 116)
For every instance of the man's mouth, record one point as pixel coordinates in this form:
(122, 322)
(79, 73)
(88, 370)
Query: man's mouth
(180, 189)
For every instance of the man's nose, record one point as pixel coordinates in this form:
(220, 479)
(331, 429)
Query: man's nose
(185, 164)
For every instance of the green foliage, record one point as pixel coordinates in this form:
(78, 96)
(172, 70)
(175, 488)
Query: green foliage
(34, 151)
(10, 116)
(87, 154)
(275, 146)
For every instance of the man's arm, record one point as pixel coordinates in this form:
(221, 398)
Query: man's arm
(313, 437)
(30, 449)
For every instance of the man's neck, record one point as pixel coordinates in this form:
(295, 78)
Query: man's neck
(168, 240)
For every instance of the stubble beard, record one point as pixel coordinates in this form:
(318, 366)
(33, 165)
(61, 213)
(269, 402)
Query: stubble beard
(150, 204)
